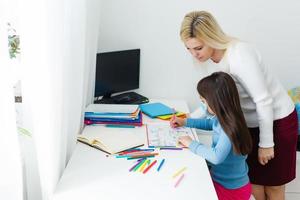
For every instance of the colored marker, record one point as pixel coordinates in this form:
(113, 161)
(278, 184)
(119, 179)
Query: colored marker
(135, 165)
(170, 148)
(136, 151)
(147, 169)
(179, 172)
(140, 164)
(141, 153)
(179, 180)
(138, 157)
(144, 154)
(144, 165)
(161, 163)
(122, 156)
(119, 126)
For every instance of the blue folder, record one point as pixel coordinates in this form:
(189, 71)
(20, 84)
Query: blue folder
(156, 109)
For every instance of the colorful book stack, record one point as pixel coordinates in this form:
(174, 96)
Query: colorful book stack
(113, 114)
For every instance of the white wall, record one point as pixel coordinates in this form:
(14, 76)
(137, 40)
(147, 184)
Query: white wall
(167, 70)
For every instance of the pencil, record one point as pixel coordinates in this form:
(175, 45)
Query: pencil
(160, 165)
(179, 172)
(174, 125)
(147, 169)
(179, 180)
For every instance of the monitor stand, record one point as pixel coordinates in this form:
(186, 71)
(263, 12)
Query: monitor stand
(124, 98)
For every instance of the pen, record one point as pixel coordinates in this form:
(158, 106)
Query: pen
(161, 163)
(179, 180)
(147, 169)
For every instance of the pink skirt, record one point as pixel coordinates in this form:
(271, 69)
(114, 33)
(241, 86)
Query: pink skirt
(282, 168)
(242, 193)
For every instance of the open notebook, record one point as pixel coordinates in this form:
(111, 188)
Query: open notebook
(162, 135)
(111, 141)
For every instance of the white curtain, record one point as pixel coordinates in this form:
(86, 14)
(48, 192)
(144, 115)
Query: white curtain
(58, 44)
(11, 186)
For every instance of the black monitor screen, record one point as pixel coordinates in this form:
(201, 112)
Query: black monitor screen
(117, 71)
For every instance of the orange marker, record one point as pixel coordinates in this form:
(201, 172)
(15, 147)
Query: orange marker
(153, 163)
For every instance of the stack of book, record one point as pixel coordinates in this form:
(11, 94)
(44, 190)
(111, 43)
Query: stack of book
(115, 114)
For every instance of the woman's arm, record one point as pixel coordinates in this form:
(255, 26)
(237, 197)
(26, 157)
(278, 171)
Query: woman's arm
(249, 70)
(247, 67)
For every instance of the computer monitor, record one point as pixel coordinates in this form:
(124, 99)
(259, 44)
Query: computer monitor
(117, 71)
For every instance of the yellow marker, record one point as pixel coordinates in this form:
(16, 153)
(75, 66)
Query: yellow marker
(144, 165)
(179, 172)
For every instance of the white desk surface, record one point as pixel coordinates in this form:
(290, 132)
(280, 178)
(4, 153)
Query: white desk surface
(91, 175)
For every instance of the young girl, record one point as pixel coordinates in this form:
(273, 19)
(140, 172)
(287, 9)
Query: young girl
(231, 138)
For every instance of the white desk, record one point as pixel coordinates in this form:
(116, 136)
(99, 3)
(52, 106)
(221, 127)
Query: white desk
(91, 175)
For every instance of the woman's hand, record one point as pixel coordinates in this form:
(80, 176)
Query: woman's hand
(185, 140)
(265, 154)
(177, 121)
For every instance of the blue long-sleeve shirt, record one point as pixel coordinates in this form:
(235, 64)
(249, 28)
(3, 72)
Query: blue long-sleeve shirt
(227, 168)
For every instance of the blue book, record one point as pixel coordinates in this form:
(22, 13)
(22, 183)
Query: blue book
(156, 109)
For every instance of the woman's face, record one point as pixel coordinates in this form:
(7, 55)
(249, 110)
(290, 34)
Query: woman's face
(199, 50)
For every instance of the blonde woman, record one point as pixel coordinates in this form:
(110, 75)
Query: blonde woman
(269, 112)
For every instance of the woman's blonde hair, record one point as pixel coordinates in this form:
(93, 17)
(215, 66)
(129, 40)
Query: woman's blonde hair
(203, 26)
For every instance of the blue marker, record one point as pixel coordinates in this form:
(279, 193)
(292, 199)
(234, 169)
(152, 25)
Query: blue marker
(119, 126)
(161, 163)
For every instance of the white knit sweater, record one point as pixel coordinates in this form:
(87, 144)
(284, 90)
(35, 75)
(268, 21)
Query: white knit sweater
(263, 98)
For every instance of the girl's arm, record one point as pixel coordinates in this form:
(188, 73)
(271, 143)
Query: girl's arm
(205, 124)
(216, 154)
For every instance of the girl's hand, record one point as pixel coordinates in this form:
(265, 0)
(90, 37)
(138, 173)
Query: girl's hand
(185, 140)
(265, 154)
(176, 122)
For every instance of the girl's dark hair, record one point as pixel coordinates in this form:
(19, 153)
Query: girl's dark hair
(220, 92)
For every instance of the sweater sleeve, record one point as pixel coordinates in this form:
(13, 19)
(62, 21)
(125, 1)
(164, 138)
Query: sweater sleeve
(205, 124)
(248, 68)
(216, 154)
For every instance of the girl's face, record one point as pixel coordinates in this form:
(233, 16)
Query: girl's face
(199, 49)
(208, 108)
